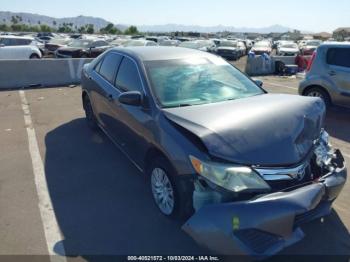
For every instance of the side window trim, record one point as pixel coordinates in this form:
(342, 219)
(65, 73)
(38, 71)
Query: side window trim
(138, 71)
(99, 65)
(116, 75)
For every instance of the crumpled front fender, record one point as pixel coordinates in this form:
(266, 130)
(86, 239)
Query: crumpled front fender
(265, 225)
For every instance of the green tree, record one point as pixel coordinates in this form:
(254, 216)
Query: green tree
(14, 20)
(82, 30)
(4, 27)
(131, 30)
(45, 28)
(90, 29)
(110, 29)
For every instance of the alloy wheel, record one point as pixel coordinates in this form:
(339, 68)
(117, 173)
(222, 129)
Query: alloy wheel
(162, 190)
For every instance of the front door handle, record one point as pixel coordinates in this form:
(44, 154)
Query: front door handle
(332, 73)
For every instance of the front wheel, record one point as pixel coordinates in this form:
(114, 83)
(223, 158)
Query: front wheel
(319, 92)
(172, 195)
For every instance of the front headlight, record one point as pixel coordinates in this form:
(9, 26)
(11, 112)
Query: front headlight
(233, 178)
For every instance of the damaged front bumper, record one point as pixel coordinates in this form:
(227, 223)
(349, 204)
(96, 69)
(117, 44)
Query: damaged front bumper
(267, 224)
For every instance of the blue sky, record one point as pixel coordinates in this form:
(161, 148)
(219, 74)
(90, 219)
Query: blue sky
(310, 15)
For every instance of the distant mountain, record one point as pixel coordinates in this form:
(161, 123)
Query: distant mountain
(212, 29)
(35, 19)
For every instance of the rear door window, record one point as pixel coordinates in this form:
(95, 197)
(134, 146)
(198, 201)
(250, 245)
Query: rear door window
(128, 78)
(109, 66)
(339, 57)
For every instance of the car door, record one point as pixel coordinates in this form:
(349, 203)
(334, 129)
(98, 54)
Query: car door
(14, 52)
(103, 92)
(135, 120)
(338, 60)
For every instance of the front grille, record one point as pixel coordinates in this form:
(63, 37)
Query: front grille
(259, 241)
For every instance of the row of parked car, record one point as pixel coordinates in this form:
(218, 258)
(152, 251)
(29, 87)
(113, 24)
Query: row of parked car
(291, 48)
(80, 46)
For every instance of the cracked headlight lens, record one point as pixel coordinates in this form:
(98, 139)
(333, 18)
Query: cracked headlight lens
(233, 178)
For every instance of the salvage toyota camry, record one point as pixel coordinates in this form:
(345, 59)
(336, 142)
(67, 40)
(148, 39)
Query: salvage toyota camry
(245, 167)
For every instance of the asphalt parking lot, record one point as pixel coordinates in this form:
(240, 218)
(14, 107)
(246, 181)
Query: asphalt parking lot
(100, 201)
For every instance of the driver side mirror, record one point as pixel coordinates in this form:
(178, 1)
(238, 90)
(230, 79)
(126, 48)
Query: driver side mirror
(132, 98)
(2, 45)
(259, 82)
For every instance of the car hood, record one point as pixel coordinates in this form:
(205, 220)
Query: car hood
(261, 48)
(265, 130)
(286, 49)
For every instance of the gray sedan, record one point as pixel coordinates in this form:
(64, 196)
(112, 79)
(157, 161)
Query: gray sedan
(245, 168)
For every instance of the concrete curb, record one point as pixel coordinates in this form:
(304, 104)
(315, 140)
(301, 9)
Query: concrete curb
(40, 72)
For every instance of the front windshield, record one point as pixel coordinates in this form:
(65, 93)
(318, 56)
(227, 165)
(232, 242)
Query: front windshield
(198, 81)
(289, 46)
(261, 44)
(228, 43)
(80, 43)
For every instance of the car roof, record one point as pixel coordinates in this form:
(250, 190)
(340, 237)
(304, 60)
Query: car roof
(153, 53)
(17, 37)
(335, 44)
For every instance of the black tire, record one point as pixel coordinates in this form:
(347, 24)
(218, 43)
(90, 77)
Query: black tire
(89, 114)
(182, 189)
(34, 56)
(319, 92)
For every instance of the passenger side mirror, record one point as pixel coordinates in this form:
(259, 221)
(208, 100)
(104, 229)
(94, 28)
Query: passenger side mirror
(133, 98)
(259, 83)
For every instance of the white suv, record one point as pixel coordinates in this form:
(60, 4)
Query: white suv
(18, 47)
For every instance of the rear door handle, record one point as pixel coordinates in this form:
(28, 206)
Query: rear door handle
(332, 73)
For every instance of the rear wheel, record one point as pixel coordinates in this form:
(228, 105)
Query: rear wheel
(172, 195)
(319, 92)
(89, 114)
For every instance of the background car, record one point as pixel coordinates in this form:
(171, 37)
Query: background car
(262, 47)
(55, 43)
(228, 49)
(80, 48)
(19, 52)
(288, 49)
(310, 46)
(328, 74)
(12, 40)
(203, 45)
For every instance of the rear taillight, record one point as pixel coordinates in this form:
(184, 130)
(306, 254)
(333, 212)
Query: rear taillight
(309, 65)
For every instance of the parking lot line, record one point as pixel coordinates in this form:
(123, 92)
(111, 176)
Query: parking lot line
(281, 85)
(50, 225)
